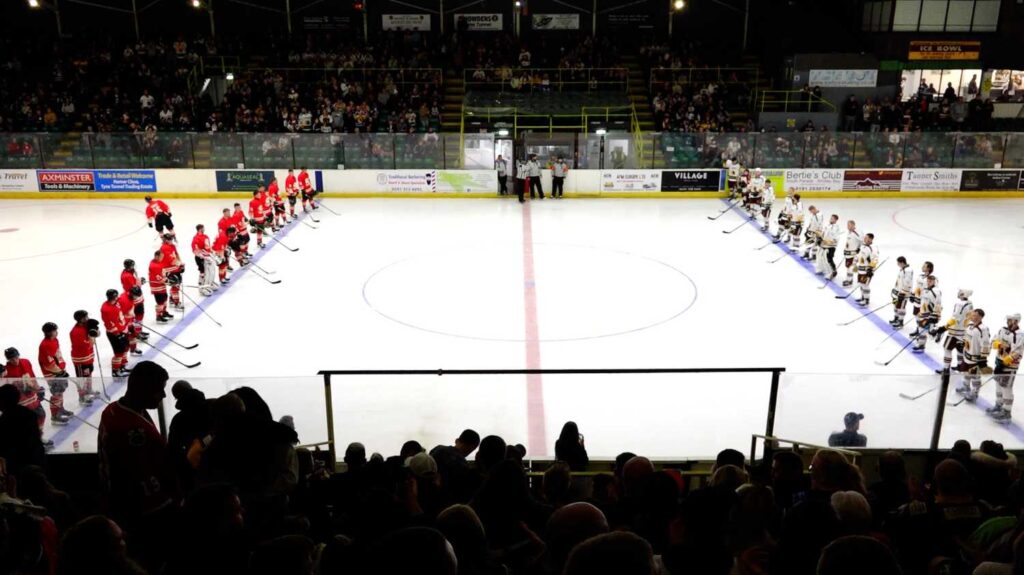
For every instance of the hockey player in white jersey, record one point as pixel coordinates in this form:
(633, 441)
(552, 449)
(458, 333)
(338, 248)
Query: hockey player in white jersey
(767, 201)
(928, 313)
(901, 292)
(755, 193)
(977, 344)
(732, 174)
(785, 220)
(850, 250)
(1009, 347)
(812, 237)
(915, 298)
(867, 261)
(796, 222)
(826, 262)
(954, 329)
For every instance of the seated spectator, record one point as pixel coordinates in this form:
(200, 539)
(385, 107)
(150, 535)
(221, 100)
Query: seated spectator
(95, 545)
(462, 528)
(415, 550)
(557, 484)
(288, 555)
(931, 532)
(849, 437)
(566, 528)
(210, 537)
(620, 553)
(21, 442)
(788, 480)
(857, 555)
(492, 451)
(892, 489)
(570, 447)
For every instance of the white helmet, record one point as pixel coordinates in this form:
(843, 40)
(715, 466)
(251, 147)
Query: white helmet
(757, 171)
(1014, 317)
(964, 293)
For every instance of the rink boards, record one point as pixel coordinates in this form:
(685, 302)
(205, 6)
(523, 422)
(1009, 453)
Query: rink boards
(667, 183)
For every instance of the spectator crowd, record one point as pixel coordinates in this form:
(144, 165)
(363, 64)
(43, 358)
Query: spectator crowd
(229, 491)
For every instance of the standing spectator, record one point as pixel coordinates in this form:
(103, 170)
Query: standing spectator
(958, 112)
(571, 448)
(502, 167)
(135, 467)
(558, 172)
(849, 437)
(851, 109)
(533, 173)
(457, 479)
(972, 87)
(21, 442)
(949, 95)
(190, 425)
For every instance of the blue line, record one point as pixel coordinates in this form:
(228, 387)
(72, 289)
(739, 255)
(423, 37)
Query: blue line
(65, 432)
(928, 361)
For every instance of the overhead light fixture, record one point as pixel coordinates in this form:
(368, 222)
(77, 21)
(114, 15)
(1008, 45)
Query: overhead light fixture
(197, 4)
(519, 4)
(230, 77)
(678, 4)
(33, 3)
(503, 132)
(600, 131)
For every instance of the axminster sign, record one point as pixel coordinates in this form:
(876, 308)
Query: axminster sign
(944, 50)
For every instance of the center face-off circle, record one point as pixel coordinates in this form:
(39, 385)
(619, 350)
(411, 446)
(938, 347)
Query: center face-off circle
(582, 292)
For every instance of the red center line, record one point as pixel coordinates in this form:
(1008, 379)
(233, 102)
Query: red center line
(535, 424)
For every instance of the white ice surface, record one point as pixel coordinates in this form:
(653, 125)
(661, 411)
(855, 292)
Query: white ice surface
(426, 284)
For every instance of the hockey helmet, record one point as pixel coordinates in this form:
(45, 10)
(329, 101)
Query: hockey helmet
(1013, 317)
(49, 327)
(111, 294)
(129, 264)
(757, 171)
(11, 353)
(231, 230)
(149, 199)
(168, 237)
(964, 293)
(81, 314)
(135, 291)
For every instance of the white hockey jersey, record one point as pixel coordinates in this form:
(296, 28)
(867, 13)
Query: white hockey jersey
(733, 169)
(931, 305)
(977, 343)
(814, 223)
(1009, 347)
(768, 196)
(853, 243)
(904, 281)
(757, 182)
(830, 235)
(867, 258)
(958, 322)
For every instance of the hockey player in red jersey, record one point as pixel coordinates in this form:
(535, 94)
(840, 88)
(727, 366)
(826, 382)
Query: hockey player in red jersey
(158, 286)
(30, 394)
(278, 204)
(173, 270)
(130, 279)
(222, 253)
(117, 333)
(51, 364)
(257, 214)
(126, 301)
(308, 191)
(83, 353)
(158, 215)
(201, 250)
(241, 224)
(291, 188)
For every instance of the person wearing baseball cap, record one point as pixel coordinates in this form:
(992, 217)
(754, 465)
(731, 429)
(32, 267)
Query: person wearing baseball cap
(849, 437)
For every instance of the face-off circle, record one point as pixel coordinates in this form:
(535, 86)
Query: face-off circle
(478, 292)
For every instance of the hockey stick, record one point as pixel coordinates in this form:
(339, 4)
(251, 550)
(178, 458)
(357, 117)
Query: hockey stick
(99, 364)
(892, 333)
(764, 246)
(964, 398)
(722, 213)
(878, 267)
(195, 303)
(784, 254)
(303, 220)
(268, 272)
(895, 356)
(324, 206)
(174, 359)
(918, 396)
(864, 315)
(83, 420)
(734, 229)
(285, 246)
(263, 277)
(193, 346)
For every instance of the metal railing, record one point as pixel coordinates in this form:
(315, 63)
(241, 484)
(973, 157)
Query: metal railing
(717, 74)
(546, 79)
(793, 101)
(654, 150)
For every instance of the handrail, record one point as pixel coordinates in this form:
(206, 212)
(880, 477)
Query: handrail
(808, 99)
(559, 78)
(589, 371)
(797, 444)
(718, 70)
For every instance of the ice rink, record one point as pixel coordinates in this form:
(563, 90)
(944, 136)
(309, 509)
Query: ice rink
(574, 283)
